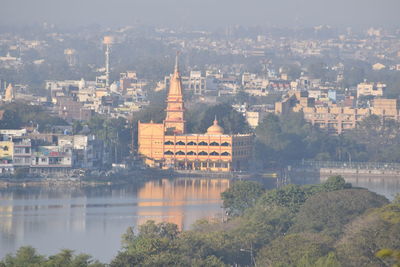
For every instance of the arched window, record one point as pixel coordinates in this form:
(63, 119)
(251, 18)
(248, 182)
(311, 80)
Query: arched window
(169, 152)
(225, 154)
(202, 143)
(191, 153)
(203, 153)
(191, 143)
(180, 153)
(225, 144)
(214, 144)
(168, 143)
(214, 153)
(180, 143)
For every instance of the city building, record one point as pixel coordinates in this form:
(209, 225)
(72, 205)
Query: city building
(69, 109)
(333, 118)
(378, 66)
(370, 89)
(49, 153)
(88, 152)
(9, 95)
(167, 145)
(197, 83)
(194, 82)
(6, 156)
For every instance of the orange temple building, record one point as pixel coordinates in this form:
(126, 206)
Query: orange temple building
(166, 145)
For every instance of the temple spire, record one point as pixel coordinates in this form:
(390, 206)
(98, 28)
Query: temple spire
(177, 62)
(174, 121)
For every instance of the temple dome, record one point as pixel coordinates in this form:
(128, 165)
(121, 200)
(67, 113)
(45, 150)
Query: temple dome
(215, 129)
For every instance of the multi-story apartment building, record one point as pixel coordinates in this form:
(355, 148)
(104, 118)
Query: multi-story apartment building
(69, 109)
(51, 159)
(49, 153)
(131, 86)
(336, 119)
(22, 151)
(88, 152)
(194, 82)
(370, 89)
(6, 156)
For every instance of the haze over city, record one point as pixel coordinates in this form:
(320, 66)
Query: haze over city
(204, 13)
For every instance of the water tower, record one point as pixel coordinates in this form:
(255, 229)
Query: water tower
(108, 41)
(70, 55)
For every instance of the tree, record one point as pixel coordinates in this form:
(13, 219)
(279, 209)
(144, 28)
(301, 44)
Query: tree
(329, 212)
(241, 196)
(368, 234)
(389, 255)
(62, 259)
(329, 260)
(19, 114)
(290, 196)
(318, 70)
(25, 257)
(77, 127)
(153, 246)
(381, 138)
(295, 250)
(232, 121)
(10, 120)
(334, 183)
(115, 133)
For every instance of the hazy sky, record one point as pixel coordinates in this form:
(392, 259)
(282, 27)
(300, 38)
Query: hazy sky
(355, 13)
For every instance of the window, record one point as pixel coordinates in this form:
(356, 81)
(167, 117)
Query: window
(180, 143)
(225, 154)
(202, 143)
(5, 148)
(214, 153)
(191, 143)
(168, 152)
(191, 153)
(214, 144)
(203, 153)
(168, 143)
(225, 144)
(180, 153)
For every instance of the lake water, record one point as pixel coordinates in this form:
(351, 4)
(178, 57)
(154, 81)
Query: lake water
(92, 220)
(385, 186)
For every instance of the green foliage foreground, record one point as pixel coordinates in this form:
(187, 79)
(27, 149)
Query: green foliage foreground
(327, 225)
(28, 257)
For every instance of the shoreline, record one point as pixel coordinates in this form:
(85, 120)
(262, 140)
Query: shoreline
(135, 176)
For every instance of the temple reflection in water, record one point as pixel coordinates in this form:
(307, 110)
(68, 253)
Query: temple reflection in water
(176, 201)
(84, 219)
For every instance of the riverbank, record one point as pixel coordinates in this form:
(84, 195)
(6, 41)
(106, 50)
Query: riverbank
(136, 176)
(124, 177)
(127, 177)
